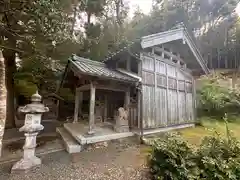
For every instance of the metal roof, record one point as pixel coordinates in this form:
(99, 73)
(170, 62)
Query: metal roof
(94, 68)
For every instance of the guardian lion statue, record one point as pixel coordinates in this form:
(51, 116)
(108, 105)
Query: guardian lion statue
(122, 121)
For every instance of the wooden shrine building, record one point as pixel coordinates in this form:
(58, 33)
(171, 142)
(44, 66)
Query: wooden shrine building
(145, 87)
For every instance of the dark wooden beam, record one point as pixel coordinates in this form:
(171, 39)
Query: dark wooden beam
(111, 88)
(105, 107)
(85, 87)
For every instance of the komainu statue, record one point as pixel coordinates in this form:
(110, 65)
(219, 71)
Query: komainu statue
(122, 121)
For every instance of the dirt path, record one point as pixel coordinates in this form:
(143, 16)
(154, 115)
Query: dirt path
(115, 162)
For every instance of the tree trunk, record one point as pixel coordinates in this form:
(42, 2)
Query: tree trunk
(74, 19)
(10, 69)
(89, 18)
(3, 101)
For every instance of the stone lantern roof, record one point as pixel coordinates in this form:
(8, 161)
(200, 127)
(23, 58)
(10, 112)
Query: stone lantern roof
(35, 107)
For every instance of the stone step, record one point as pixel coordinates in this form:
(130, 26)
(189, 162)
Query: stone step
(75, 130)
(71, 145)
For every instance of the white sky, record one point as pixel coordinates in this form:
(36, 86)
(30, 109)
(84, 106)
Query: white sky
(145, 5)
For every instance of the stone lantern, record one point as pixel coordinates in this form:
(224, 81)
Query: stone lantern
(31, 128)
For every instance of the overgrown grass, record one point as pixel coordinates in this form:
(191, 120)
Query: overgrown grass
(208, 127)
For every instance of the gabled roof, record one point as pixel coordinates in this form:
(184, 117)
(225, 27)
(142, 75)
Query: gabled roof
(179, 32)
(93, 68)
(173, 35)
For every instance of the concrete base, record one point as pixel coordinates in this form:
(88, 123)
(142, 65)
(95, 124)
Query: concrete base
(71, 145)
(25, 165)
(165, 129)
(102, 133)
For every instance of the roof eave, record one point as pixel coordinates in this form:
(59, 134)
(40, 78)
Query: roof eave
(75, 69)
(172, 35)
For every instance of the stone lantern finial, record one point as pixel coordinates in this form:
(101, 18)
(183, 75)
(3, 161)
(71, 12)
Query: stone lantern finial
(36, 97)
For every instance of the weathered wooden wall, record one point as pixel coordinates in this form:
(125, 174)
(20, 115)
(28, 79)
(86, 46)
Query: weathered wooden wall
(133, 115)
(167, 91)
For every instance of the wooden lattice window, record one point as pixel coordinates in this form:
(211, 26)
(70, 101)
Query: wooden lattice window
(172, 83)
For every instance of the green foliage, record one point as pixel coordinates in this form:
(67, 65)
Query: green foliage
(171, 158)
(67, 94)
(216, 99)
(25, 84)
(217, 158)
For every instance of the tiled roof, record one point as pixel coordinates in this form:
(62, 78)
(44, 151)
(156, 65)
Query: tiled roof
(94, 68)
(119, 51)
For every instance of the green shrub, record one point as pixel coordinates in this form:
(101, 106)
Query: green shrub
(215, 100)
(217, 158)
(172, 159)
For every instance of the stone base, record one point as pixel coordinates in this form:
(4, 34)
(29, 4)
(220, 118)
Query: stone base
(121, 129)
(25, 165)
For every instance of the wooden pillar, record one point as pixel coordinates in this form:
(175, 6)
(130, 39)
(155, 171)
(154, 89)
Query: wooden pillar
(194, 100)
(156, 123)
(127, 103)
(178, 104)
(167, 94)
(80, 102)
(127, 99)
(140, 120)
(186, 103)
(77, 94)
(57, 110)
(92, 109)
(105, 107)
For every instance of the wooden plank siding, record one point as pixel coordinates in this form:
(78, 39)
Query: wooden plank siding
(167, 92)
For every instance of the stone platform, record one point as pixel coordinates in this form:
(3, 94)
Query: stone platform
(76, 134)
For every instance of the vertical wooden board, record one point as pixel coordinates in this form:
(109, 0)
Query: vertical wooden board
(182, 106)
(160, 67)
(164, 105)
(190, 108)
(172, 107)
(148, 63)
(148, 123)
(170, 115)
(145, 106)
(152, 107)
(148, 110)
(175, 107)
(159, 108)
(148, 78)
(171, 70)
(169, 107)
(181, 76)
(177, 101)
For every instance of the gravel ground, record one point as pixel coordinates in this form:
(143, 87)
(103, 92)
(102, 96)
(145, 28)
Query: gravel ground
(114, 162)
